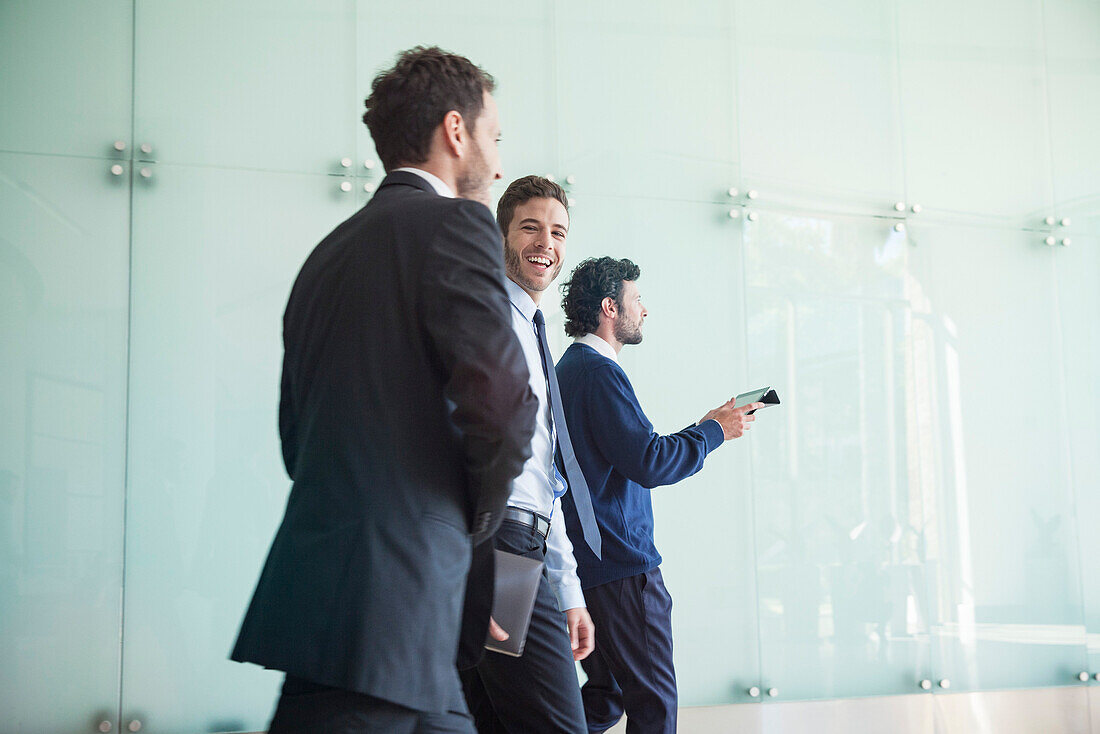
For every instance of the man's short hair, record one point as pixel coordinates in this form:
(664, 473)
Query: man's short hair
(407, 103)
(523, 190)
(590, 282)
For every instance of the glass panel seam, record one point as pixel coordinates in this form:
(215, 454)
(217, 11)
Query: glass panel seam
(129, 366)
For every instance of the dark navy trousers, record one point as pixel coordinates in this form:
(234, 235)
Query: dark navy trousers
(309, 708)
(631, 668)
(536, 693)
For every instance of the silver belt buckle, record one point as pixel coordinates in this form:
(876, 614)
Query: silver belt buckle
(531, 519)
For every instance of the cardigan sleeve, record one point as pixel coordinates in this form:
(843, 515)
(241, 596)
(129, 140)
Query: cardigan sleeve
(625, 436)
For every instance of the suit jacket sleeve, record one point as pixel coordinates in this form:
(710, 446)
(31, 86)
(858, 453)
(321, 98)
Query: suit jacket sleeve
(288, 424)
(625, 437)
(465, 312)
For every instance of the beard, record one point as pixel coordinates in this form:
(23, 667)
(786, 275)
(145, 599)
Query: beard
(474, 181)
(513, 266)
(628, 332)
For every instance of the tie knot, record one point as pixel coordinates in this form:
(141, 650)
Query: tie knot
(539, 319)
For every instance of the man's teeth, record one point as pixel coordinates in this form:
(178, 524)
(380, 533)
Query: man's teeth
(539, 260)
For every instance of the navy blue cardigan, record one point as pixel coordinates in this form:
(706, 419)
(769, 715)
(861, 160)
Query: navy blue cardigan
(622, 459)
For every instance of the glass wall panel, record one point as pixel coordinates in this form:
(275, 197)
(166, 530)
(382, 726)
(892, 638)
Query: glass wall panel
(646, 98)
(64, 270)
(215, 254)
(1077, 298)
(819, 116)
(841, 470)
(511, 41)
(251, 84)
(1003, 553)
(65, 76)
(974, 106)
(691, 360)
(1073, 67)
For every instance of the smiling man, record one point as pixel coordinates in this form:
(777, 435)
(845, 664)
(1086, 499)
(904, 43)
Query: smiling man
(538, 691)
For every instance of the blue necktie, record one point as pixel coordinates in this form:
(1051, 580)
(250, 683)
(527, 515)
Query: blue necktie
(582, 498)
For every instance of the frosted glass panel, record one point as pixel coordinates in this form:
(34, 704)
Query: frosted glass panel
(841, 468)
(65, 76)
(213, 265)
(246, 84)
(509, 40)
(1073, 66)
(690, 361)
(819, 117)
(977, 142)
(645, 98)
(1077, 277)
(63, 309)
(1003, 554)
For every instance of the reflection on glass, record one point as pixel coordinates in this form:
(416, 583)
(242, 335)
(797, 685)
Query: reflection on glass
(1003, 573)
(841, 520)
(923, 486)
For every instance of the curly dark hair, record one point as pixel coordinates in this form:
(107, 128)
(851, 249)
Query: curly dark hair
(523, 190)
(590, 282)
(408, 102)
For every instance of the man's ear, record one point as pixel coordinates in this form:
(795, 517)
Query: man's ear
(455, 135)
(609, 308)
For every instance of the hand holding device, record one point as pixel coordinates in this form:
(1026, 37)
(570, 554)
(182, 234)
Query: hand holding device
(765, 395)
(736, 414)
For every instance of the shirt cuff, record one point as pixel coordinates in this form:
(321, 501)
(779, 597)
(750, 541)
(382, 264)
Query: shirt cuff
(569, 596)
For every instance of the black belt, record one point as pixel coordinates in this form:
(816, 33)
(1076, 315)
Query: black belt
(540, 524)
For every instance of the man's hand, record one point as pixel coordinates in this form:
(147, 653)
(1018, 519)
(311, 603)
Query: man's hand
(496, 631)
(582, 633)
(733, 420)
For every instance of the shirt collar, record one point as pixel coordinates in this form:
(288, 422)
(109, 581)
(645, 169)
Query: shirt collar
(521, 299)
(597, 343)
(437, 183)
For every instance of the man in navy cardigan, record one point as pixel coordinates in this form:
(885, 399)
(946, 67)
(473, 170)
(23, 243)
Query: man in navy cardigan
(622, 458)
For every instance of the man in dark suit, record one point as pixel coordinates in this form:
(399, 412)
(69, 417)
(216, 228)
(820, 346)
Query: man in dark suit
(405, 414)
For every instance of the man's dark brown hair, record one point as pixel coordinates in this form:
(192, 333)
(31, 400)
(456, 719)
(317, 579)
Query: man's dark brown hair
(523, 190)
(592, 281)
(407, 103)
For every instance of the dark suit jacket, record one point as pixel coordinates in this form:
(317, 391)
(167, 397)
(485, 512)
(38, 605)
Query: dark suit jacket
(405, 415)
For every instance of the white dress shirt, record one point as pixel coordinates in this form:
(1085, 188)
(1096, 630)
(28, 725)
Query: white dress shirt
(437, 183)
(597, 343)
(534, 488)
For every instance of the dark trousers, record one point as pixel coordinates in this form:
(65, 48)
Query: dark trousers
(631, 668)
(537, 692)
(309, 708)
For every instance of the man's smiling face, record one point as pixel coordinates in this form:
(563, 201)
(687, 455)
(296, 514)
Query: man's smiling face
(534, 247)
